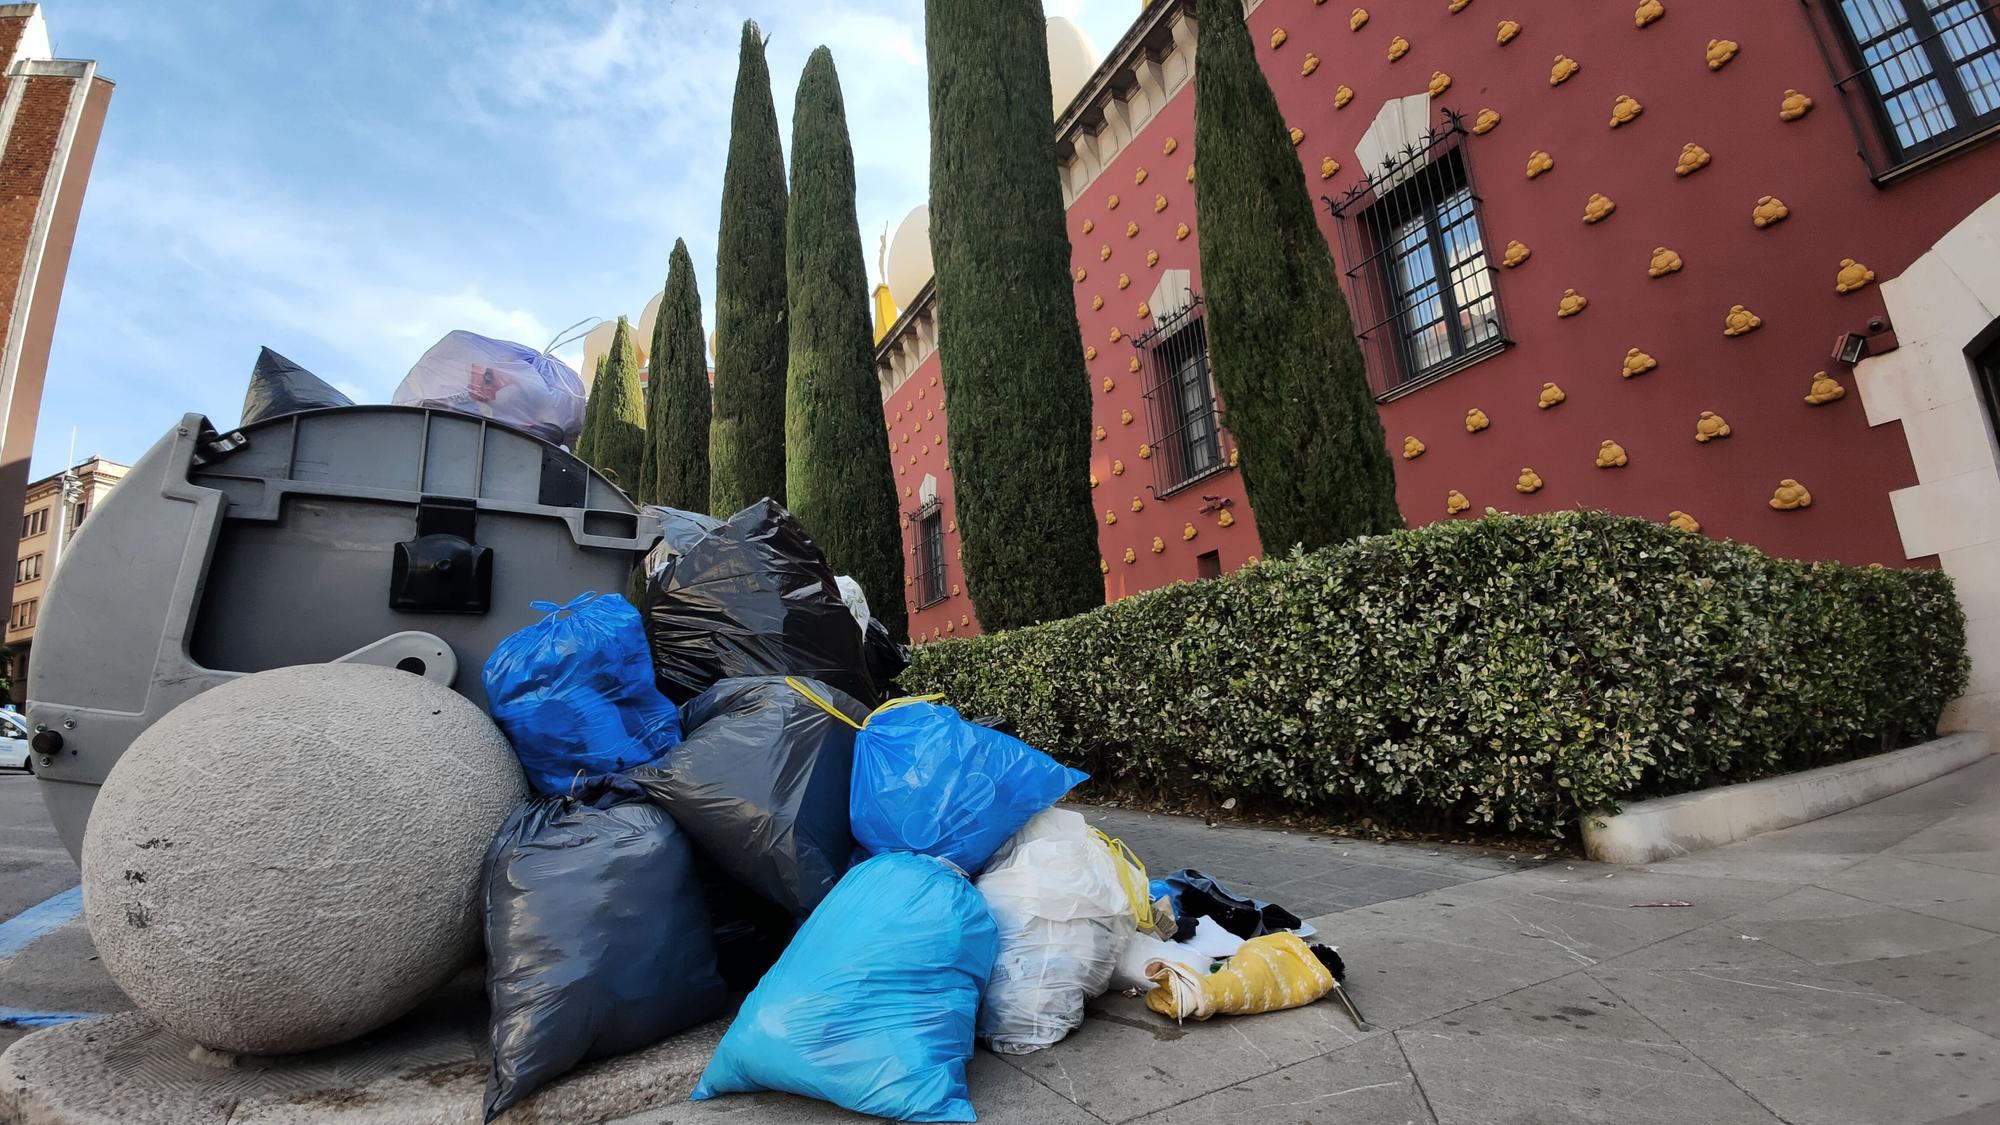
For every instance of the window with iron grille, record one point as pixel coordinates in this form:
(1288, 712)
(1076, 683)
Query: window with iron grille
(1930, 68)
(1180, 397)
(1415, 260)
(929, 524)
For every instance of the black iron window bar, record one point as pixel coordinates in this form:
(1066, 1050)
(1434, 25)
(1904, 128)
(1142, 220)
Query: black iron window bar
(1418, 273)
(1186, 445)
(927, 524)
(1922, 74)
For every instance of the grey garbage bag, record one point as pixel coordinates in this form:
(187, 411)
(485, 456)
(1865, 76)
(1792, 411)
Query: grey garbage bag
(278, 387)
(597, 936)
(754, 597)
(760, 782)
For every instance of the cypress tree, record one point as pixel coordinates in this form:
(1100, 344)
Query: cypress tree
(614, 418)
(1013, 370)
(1281, 343)
(675, 469)
(837, 475)
(747, 435)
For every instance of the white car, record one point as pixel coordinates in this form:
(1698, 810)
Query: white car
(14, 742)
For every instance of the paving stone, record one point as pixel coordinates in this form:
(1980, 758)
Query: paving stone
(1567, 1051)
(1001, 1095)
(1304, 872)
(1719, 947)
(1368, 1082)
(1961, 984)
(1829, 928)
(1400, 979)
(1970, 842)
(60, 973)
(1815, 1047)
(1810, 851)
(1968, 897)
(1125, 1061)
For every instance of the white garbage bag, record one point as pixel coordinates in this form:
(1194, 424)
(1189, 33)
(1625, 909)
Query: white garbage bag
(1063, 921)
(506, 382)
(1144, 954)
(855, 599)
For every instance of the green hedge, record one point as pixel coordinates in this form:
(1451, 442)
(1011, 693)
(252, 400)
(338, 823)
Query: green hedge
(1507, 672)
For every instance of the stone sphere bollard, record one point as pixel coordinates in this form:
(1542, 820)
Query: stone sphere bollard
(293, 859)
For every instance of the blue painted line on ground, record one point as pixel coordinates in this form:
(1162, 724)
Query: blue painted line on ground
(38, 921)
(16, 1017)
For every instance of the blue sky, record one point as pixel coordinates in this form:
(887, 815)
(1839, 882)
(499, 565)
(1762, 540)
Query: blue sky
(347, 180)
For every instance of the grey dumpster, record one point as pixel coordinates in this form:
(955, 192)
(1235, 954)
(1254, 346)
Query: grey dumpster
(383, 534)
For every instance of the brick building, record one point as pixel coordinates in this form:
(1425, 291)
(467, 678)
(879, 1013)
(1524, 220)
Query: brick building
(1755, 246)
(54, 508)
(50, 118)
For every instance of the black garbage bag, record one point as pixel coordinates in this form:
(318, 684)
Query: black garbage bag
(886, 658)
(996, 722)
(751, 931)
(279, 386)
(760, 783)
(754, 597)
(680, 530)
(597, 935)
(1198, 896)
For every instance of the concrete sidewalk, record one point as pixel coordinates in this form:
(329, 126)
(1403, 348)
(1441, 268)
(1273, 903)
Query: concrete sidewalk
(1846, 970)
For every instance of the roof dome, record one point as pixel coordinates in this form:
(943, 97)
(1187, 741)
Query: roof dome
(910, 256)
(596, 342)
(642, 329)
(1072, 60)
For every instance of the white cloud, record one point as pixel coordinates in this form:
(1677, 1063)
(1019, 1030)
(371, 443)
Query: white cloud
(347, 279)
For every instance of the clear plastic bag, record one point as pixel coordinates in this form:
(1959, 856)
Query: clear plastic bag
(497, 379)
(1063, 920)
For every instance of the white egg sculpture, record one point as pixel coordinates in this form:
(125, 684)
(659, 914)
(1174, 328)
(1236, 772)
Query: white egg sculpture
(910, 256)
(1072, 60)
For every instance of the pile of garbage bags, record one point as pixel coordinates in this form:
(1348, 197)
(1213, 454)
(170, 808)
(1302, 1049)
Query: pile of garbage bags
(729, 799)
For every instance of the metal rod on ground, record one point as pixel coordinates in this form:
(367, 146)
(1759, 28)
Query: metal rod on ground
(1359, 1023)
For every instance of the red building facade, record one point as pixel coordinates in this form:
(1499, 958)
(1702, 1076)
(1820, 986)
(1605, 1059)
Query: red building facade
(1647, 224)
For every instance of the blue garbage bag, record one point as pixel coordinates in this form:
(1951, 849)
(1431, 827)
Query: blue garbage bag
(927, 781)
(574, 693)
(872, 1005)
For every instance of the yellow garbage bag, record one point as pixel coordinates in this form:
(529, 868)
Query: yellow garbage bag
(1268, 974)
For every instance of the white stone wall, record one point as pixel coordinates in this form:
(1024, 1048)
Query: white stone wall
(1939, 306)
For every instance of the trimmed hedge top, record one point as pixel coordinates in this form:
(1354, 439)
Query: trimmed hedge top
(1511, 671)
